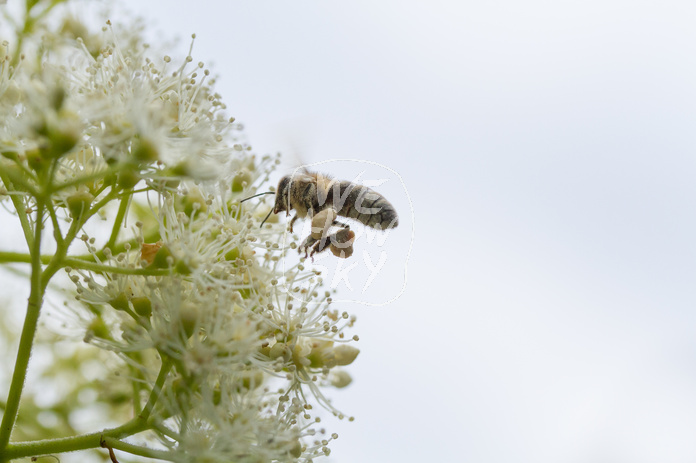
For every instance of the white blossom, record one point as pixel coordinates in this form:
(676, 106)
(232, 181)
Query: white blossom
(227, 338)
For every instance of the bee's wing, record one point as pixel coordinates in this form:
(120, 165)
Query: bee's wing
(298, 144)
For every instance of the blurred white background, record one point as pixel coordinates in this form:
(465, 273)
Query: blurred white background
(549, 151)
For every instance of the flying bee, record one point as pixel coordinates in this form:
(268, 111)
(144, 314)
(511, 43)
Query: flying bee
(322, 199)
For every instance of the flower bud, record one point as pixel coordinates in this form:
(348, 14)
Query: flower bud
(120, 302)
(127, 178)
(60, 141)
(296, 449)
(192, 203)
(97, 329)
(340, 379)
(251, 380)
(11, 155)
(79, 203)
(321, 353)
(280, 349)
(143, 150)
(300, 355)
(162, 257)
(57, 98)
(182, 268)
(345, 354)
(188, 317)
(142, 306)
(241, 179)
(35, 159)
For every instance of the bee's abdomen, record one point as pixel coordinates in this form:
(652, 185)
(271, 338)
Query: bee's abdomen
(365, 205)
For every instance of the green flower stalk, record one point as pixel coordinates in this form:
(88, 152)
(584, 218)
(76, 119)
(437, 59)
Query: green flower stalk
(123, 171)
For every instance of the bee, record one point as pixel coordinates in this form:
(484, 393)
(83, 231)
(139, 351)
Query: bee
(322, 199)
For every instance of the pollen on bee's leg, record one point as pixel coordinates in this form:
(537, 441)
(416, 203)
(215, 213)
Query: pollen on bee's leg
(342, 243)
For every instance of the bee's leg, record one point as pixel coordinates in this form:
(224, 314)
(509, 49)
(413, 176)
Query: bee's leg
(292, 222)
(321, 245)
(304, 246)
(340, 224)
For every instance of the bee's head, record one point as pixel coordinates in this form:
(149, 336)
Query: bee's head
(281, 199)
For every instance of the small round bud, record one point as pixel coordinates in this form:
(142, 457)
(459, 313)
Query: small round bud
(127, 178)
(241, 180)
(162, 257)
(345, 354)
(79, 203)
(120, 302)
(280, 349)
(142, 306)
(97, 329)
(188, 317)
(143, 150)
(296, 450)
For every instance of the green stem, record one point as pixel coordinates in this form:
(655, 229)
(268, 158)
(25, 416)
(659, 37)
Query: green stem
(18, 176)
(81, 180)
(7, 257)
(136, 388)
(26, 340)
(94, 440)
(81, 264)
(58, 260)
(137, 449)
(18, 203)
(76, 225)
(165, 431)
(156, 389)
(118, 221)
(18, 50)
(71, 444)
(56, 226)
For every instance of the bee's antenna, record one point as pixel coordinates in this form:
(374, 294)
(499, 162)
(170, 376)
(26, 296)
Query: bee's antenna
(260, 194)
(264, 220)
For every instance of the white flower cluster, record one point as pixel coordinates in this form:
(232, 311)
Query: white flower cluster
(250, 345)
(226, 343)
(140, 119)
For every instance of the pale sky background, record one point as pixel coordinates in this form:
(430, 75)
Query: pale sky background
(548, 150)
